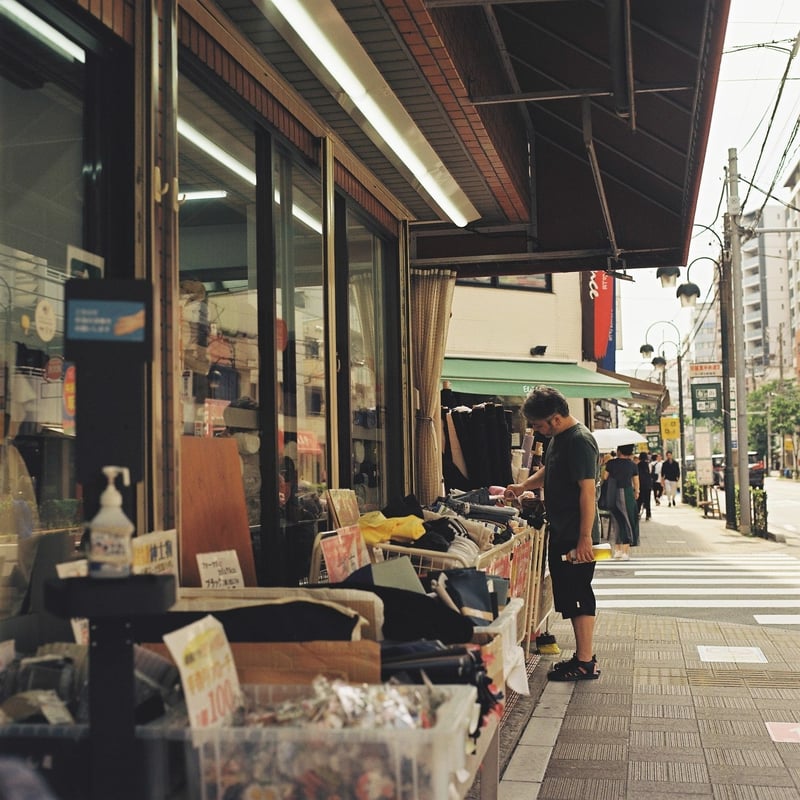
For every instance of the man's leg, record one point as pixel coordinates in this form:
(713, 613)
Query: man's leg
(583, 628)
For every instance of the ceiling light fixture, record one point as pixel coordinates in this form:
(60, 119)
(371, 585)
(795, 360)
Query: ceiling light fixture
(316, 30)
(42, 30)
(194, 136)
(210, 194)
(215, 151)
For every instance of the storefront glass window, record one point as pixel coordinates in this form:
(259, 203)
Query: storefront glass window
(367, 364)
(301, 347)
(43, 239)
(218, 281)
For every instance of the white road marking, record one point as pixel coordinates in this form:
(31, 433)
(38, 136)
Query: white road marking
(740, 580)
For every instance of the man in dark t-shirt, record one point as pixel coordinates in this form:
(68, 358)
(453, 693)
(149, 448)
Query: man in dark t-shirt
(569, 478)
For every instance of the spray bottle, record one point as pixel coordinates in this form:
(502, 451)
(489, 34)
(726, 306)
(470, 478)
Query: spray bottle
(110, 550)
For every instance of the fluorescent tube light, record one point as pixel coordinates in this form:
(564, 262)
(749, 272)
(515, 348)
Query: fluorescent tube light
(302, 215)
(215, 151)
(325, 37)
(227, 160)
(42, 30)
(210, 194)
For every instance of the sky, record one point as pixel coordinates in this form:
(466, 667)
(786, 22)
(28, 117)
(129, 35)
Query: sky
(747, 90)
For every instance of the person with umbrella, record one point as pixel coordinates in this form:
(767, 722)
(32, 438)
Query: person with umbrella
(569, 477)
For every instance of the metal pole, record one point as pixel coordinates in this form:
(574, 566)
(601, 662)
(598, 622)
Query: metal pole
(738, 342)
(680, 420)
(725, 341)
(768, 463)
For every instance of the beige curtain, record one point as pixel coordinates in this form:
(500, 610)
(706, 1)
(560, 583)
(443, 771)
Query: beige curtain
(431, 303)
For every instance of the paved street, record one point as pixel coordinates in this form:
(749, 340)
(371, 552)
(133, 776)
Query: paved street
(691, 567)
(699, 697)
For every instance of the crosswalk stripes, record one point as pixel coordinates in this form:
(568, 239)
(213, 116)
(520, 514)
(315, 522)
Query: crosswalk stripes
(768, 581)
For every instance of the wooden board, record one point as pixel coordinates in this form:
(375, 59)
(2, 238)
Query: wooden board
(213, 508)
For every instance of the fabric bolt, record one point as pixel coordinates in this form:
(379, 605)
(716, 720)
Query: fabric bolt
(475, 450)
(452, 475)
(455, 447)
(377, 528)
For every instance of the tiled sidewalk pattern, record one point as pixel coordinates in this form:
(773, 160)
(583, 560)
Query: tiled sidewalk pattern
(661, 722)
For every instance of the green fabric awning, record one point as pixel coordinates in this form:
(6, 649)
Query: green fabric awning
(506, 378)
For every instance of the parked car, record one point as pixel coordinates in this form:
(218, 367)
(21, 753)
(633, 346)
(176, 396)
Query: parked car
(756, 469)
(718, 467)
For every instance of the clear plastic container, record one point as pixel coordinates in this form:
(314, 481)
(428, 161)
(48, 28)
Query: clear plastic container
(413, 764)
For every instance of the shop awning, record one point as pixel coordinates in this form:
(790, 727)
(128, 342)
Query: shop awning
(647, 393)
(507, 378)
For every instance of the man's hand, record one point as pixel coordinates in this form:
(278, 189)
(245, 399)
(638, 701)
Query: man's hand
(583, 550)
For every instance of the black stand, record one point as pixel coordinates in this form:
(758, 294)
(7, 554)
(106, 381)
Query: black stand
(109, 604)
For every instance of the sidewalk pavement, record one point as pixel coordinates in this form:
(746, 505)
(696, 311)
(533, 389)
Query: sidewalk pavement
(659, 722)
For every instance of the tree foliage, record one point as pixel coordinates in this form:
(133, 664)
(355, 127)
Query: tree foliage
(781, 400)
(638, 419)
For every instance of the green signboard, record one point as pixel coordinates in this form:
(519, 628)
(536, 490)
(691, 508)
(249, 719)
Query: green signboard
(706, 400)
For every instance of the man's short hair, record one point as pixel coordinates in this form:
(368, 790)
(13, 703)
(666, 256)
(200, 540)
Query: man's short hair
(543, 402)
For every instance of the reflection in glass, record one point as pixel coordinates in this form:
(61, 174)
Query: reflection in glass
(218, 280)
(300, 342)
(41, 218)
(367, 366)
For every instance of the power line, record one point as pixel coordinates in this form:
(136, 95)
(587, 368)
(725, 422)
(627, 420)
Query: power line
(781, 87)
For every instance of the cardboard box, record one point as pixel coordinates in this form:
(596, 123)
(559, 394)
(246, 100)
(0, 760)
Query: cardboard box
(300, 662)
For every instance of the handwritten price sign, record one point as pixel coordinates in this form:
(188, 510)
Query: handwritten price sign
(208, 674)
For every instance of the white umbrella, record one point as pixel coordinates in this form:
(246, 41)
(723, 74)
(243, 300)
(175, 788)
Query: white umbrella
(612, 438)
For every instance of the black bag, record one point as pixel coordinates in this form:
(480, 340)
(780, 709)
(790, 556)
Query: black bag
(602, 498)
(468, 590)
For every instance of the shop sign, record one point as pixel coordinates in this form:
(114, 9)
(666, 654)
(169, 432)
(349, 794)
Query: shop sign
(208, 674)
(705, 370)
(220, 570)
(670, 428)
(68, 400)
(706, 400)
(156, 553)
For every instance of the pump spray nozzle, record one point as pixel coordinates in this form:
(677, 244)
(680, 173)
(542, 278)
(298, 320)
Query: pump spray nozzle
(110, 495)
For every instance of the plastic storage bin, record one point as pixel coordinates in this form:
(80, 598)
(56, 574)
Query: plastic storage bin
(290, 761)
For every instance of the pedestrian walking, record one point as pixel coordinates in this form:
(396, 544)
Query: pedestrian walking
(670, 475)
(621, 477)
(655, 473)
(645, 486)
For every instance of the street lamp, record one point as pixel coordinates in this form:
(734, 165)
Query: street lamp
(688, 293)
(668, 276)
(660, 363)
(723, 268)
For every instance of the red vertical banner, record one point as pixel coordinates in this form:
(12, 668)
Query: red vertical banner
(597, 315)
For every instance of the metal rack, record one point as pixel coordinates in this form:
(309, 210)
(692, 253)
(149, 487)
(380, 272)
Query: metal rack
(519, 559)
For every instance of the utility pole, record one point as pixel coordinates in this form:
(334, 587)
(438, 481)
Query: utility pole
(780, 355)
(769, 433)
(734, 212)
(726, 336)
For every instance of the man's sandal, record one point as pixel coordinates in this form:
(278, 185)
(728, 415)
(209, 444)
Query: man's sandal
(575, 671)
(569, 663)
